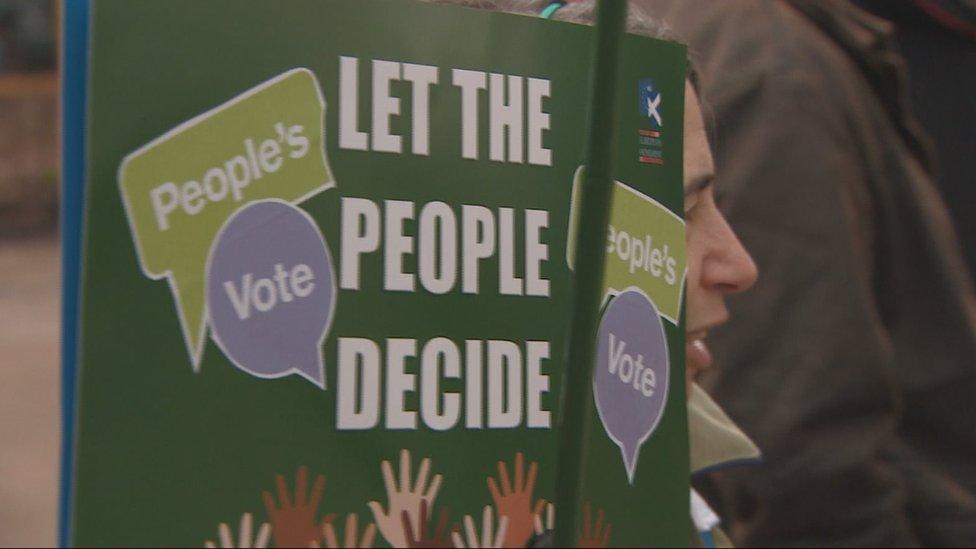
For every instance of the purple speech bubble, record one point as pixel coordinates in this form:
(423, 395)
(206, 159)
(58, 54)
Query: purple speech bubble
(630, 379)
(271, 291)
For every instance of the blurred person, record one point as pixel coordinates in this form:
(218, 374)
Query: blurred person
(27, 41)
(718, 266)
(6, 38)
(858, 389)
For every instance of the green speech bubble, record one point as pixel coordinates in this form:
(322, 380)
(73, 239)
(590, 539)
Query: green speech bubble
(645, 247)
(178, 190)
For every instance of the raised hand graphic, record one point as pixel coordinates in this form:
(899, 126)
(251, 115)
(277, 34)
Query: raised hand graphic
(244, 539)
(351, 540)
(549, 524)
(487, 539)
(404, 498)
(424, 537)
(295, 522)
(515, 500)
(597, 536)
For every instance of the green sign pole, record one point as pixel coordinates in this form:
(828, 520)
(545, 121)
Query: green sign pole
(590, 253)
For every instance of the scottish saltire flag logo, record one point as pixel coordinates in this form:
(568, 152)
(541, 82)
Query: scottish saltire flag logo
(650, 102)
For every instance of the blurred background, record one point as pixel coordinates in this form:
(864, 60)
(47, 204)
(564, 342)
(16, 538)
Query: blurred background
(29, 272)
(936, 37)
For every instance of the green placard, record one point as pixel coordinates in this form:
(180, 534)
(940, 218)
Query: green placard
(328, 238)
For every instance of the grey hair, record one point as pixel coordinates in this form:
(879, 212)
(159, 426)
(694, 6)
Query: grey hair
(582, 11)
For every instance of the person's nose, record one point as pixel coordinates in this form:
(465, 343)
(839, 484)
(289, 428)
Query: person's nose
(728, 266)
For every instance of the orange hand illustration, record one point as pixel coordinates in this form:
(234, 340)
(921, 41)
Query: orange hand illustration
(423, 537)
(597, 537)
(244, 535)
(488, 538)
(515, 501)
(404, 499)
(295, 521)
(349, 541)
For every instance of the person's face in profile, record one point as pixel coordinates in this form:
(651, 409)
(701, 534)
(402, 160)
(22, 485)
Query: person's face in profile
(717, 263)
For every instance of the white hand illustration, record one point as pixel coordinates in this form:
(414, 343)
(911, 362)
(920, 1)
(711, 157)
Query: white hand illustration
(244, 540)
(486, 539)
(404, 498)
(550, 522)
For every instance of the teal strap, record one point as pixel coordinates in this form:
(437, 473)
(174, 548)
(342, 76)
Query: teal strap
(551, 9)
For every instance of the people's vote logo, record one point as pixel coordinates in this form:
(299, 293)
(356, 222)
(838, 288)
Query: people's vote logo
(650, 102)
(270, 290)
(630, 380)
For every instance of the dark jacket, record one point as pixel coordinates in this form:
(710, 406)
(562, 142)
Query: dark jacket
(938, 40)
(852, 363)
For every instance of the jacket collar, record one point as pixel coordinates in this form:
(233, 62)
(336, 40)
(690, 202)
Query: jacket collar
(715, 440)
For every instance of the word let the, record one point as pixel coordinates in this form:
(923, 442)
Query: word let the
(514, 110)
